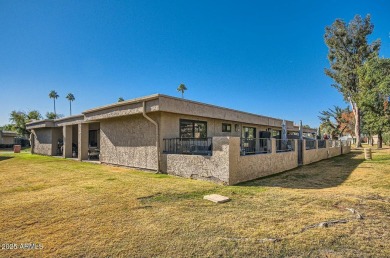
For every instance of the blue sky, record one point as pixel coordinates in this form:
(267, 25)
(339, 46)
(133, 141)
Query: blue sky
(264, 57)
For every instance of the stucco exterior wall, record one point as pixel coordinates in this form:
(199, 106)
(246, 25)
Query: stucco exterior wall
(129, 141)
(346, 149)
(7, 140)
(43, 141)
(245, 168)
(70, 120)
(226, 165)
(170, 126)
(214, 168)
(185, 107)
(121, 109)
(310, 156)
(334, 151)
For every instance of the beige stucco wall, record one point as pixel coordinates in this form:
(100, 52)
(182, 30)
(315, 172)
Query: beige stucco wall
(314, 155)
(129, 141)
(226, 165)
(70, 120)
(170, 126)
(244, 168)
(7, 140)
(186, 107)
(310, 156)
(346, 149)
(43, 141)
(214, 168)
(334, 151)
(120, 110)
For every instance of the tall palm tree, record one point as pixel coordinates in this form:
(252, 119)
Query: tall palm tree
(53, 95)
(71, 98)
(181, 89)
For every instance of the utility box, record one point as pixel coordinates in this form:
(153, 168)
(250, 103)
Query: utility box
(367, 153)
(17, 148)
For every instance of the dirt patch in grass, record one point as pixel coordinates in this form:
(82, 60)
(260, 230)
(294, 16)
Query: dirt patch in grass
(80, 209)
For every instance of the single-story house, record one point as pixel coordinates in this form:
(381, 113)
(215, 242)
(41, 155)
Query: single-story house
(7, 139)
(174, 136)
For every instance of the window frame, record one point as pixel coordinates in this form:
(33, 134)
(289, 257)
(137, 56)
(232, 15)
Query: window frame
(193, 128)
(249, 128)
(225, 128)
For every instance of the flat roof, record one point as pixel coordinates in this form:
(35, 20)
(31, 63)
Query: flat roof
(158, 95)
(165, 103)
(9, 133)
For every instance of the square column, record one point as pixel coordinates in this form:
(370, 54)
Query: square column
(273, 145)
(83, 141)
(67, 148)
(32, 141)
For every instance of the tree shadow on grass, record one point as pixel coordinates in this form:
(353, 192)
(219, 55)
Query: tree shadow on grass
(2, 158)
(323, 174)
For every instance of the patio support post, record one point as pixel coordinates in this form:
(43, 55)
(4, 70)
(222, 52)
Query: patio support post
(273, 145)
(32, 141)
(83, 142)
(67, 132)
(157, 134)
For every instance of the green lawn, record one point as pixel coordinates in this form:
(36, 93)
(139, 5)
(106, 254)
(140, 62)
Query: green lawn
(81, 209)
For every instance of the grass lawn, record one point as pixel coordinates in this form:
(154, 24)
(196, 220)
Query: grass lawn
(81, 209)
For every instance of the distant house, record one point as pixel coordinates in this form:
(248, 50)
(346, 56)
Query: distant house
(175, 136)
(7, 139)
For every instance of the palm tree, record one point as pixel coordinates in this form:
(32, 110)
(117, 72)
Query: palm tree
(53, 95)
(120, 99)
(181, 89)
(71, 98)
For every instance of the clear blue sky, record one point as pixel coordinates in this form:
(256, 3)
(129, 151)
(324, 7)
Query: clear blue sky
(264, 57)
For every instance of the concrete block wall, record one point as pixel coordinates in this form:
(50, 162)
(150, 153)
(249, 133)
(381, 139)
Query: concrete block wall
(346, 148)
(317, 154)
(314, 155)
(245, 168)
(226, 165)
(213, 168)
(334, 151)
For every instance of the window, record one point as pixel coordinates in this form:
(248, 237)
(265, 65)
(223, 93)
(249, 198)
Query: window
(226, 127)
(193, 129)
(249, 132)
(276, 134)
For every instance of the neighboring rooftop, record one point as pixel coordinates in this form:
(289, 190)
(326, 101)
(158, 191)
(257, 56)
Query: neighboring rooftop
(9, 133)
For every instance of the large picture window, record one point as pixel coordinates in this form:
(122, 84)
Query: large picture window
(193, 129)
